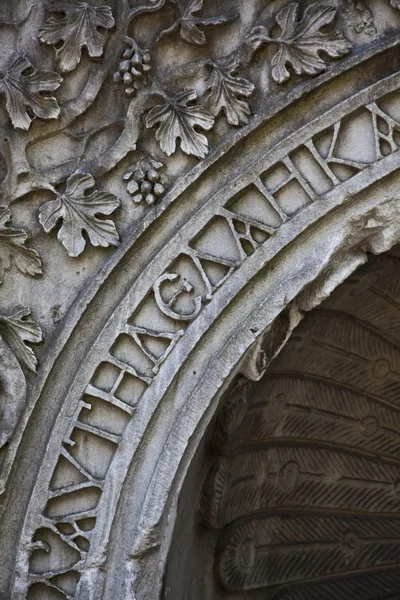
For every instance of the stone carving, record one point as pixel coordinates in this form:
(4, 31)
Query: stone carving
(222, 442)
(74, 25)
(353, 544)
(16, 22)
(83, 142)
(181, 298)
(13, 250)
(13, 392)
(228, 93)
(78, 212)
(167, 308)
(23, 86)
(17, 330)
(307, 468)
(175, 119)
(359, 17)
(301, 42)
(146, 181)
(189, 25)
(133, 70)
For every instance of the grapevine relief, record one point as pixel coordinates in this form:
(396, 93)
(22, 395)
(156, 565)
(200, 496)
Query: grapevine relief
(77, 27)
(24, 88)
(133, 354)
(300, 42)
(146, 181)
(184, 117)
(179, 116)
(303, 41)
(78, 212)
(17, 330)
(228, 93)
(29, 94)
(13, 250)
(190, 26)
(175, 119)
(293, 41)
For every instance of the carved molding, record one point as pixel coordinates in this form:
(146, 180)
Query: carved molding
(140, 126)
(120, 357)
(324, 402)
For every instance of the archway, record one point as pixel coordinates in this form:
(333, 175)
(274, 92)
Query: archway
(209, 284)
(301, 498)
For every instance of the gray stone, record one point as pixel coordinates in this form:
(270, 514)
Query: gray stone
(182, 182)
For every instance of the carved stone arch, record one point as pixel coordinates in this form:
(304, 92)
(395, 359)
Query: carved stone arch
(273, 304)
(209, 283)
(294, 491)
(145, 563)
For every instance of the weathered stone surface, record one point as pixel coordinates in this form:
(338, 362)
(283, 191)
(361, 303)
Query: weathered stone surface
(181, 181)
(301, 497)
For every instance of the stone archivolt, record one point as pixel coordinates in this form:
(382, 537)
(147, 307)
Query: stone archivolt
(202, 230)
(302, 498)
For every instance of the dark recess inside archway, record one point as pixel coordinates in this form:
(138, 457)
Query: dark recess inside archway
(294, 494)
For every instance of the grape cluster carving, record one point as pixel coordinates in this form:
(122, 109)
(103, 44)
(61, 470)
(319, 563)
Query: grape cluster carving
(133, 70)
(146, 182)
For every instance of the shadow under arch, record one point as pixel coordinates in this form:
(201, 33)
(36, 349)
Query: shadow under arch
(293, 492)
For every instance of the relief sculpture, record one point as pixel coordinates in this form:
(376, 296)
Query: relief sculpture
(182, 298)
(161, 161)
(179, 119)
(304, 492)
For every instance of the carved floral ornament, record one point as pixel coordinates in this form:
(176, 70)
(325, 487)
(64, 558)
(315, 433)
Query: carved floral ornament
(75, 201)
(180, 296)
(301, 42)
(179, 119)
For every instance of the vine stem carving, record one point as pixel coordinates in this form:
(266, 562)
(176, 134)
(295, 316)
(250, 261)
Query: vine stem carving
(21, 178)
(155, 6)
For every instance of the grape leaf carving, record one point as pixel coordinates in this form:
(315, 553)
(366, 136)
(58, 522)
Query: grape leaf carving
(77, 27)
(27, 93)
(13, 249)
(177, 120)
(19, 329)
(189, 25)
(301, 42)
(77, 210)
(227, 93)
(12, 392)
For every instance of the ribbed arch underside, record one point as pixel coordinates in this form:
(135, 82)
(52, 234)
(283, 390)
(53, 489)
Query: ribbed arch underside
(302, 500)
